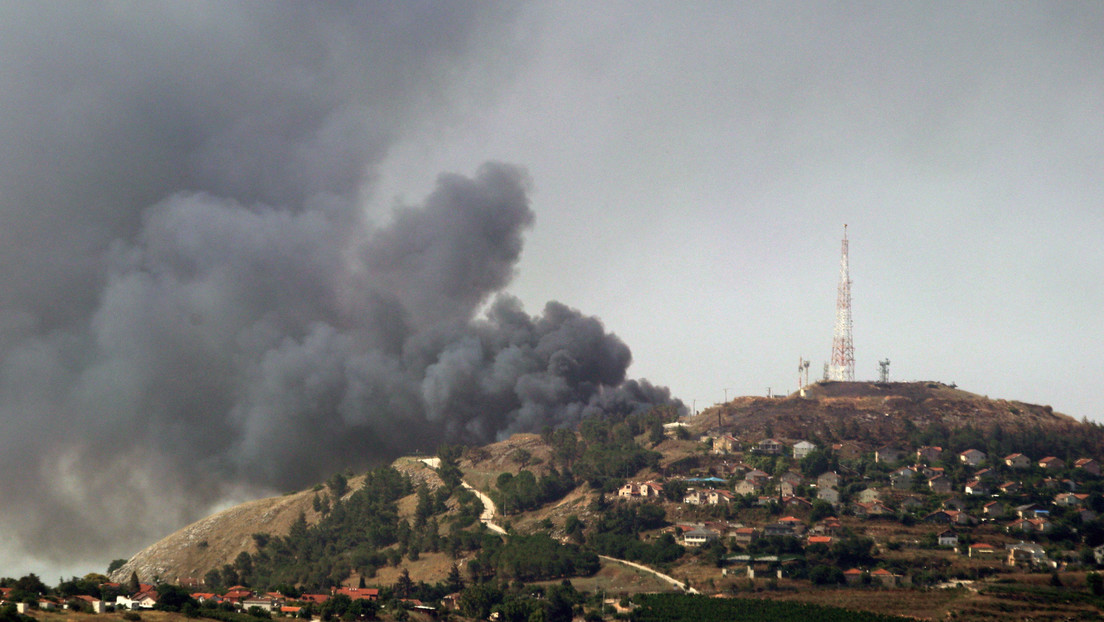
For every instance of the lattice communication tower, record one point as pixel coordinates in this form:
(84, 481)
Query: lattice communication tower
(842, 366)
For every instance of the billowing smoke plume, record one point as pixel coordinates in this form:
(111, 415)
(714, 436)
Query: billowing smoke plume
(195, 305)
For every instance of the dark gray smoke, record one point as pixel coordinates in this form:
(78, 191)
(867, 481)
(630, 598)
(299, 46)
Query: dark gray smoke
(194, 305)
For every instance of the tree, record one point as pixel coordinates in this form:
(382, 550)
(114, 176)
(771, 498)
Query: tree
(115, 565)
(454, 582)
(133, 585)
(1096, 583)
(404, 586)
(339, 485)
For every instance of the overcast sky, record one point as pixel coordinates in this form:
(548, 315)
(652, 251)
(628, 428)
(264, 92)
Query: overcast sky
(694, 165)
(224, 222)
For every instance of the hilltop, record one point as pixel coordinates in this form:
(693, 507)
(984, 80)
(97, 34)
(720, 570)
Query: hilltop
(878, 413)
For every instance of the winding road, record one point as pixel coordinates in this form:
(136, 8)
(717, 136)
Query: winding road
(489, 511)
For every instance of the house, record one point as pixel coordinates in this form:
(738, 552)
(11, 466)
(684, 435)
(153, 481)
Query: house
(1070, 499)
(745, 487)
(825, 540)
(874, 508)
(265, 602)
(1027, 554)
(357, 593)
(745, 535)
(787, 489)
(95, 604)
(698, 537)
(884, 577)
(929, 453)
(1052, 463)
(954, 503)
(831, 495)
(869, 494)
(1088, 465)
(792, 477)
(847, 450)
(316, 599)
(995, 509)
(694, 497)
(930, 471)
(985, 475)
(796, 524)
(976, 487)
(1028, 510)
(770, 446)
(853, 576)
(638, 491)
(719, 497)
(1098, 554)
(1017, 461)
(972, 457)
(797, 504)
(949, 517)
(726, 444)
(888, 455)
(940, 485)
(1030, 525)
(830, 526)
(1009, 488)
(628, 491)
(902, 477)
(910, 504)
(802, 449)
(828, 479)
(947, 537)
(757, 477)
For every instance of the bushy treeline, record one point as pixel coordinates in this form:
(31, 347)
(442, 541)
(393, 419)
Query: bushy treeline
(352, 535)
(532, 558)
(616, 533)
(690, 608)
(524, 492)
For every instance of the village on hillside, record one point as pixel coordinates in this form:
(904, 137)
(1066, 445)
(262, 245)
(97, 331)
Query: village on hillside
(764, 500)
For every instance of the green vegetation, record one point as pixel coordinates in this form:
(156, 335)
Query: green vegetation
(685, 607)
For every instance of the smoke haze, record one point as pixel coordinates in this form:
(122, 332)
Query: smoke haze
(196, 305)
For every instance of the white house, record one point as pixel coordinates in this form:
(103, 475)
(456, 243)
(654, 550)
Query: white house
(802, 449)
(700, 536)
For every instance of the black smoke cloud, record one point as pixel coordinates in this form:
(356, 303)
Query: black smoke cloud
(195, 306)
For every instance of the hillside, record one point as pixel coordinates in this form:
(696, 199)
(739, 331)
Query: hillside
(877, 413)
(216, 540)
(560, 495)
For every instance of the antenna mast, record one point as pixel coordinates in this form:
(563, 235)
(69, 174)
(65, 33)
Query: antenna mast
(843, 351)
(884, 365)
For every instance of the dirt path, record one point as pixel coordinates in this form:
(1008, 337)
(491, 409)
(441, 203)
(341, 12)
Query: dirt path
(487, 517)
(667, 578)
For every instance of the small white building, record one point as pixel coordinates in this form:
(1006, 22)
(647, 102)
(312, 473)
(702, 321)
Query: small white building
(802, 449)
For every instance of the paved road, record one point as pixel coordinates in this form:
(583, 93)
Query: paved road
(667, 578)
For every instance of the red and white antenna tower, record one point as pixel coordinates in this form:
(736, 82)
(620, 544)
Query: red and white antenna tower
(843, 351)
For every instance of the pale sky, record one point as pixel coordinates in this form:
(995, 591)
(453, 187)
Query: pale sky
(208, 295)
(694, 165)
